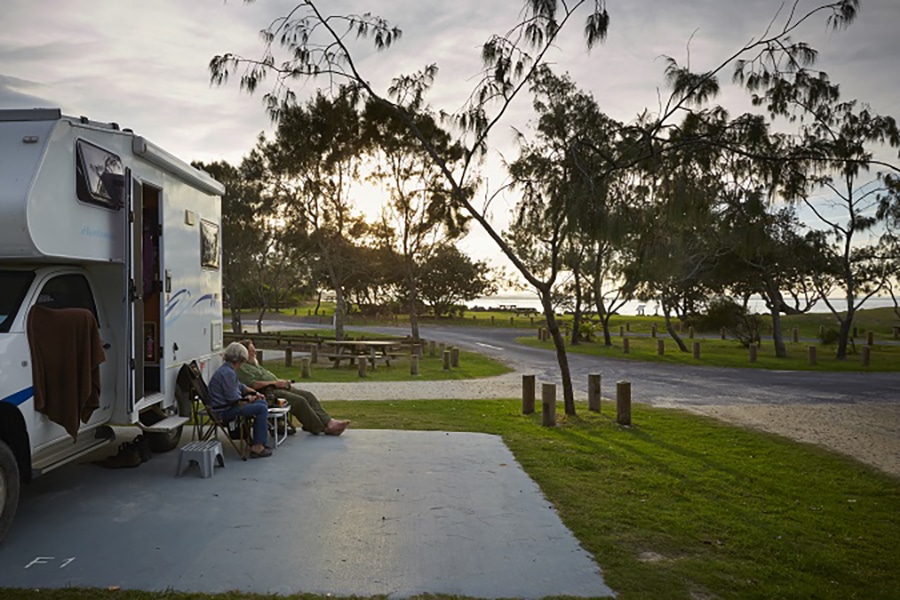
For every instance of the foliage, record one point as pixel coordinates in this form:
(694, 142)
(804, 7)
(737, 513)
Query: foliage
(735, 319)
(449, 277)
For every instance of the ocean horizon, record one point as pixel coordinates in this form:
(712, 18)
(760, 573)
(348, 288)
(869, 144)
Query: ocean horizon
(650, 308)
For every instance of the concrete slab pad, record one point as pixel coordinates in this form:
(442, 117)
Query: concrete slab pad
(371, 512)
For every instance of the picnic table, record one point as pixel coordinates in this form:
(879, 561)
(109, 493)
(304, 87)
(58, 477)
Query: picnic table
(372, 350)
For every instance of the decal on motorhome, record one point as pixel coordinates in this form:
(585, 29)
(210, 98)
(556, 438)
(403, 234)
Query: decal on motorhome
(19, 397)
(178, 304)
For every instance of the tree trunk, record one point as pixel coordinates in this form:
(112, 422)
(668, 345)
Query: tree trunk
(561, 356)
(260, 318)
(413, 304)
(577, 317)
(237, 326)
(777, 334)
(844, 334)
(670, 328)
(318, 302)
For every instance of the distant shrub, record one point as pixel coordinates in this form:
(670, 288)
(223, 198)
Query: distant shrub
(736, 320)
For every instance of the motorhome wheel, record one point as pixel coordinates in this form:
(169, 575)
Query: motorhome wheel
(9, 488)
(164, 441)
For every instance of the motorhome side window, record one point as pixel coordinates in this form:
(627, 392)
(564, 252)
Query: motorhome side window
(68, 291)
(209, 244)
(13, 287)
(99, 176)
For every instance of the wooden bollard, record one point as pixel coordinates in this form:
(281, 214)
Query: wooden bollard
(512, 321)
(446, 355)
(528, 389)
(413, 364)
(540, 334)
(420, 350)
(314, 354)
(441, 347)
(897, 333)
(308, 312)
(454, 357)
(548, 404)
(661, 347)
(870, 338)
(492, 320)
(431, 346)
(288, 356)
(723, 333)
(305, 368)
(363, 362)
(866, 353)
(532, 321)
(753, 352)
(621, 331)
(628, 327)
(594, 392)
(696, 350)
(623, 402)
(626, 345)
(821, 331)
(653, 330)
(812, 355)
(795, 334)
(691, 332)
(259, 355)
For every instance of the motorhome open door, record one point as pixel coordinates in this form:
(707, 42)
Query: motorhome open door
(133, 278)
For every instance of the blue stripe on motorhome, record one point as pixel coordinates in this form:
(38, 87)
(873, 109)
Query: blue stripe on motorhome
(19, 397)
(211, 298)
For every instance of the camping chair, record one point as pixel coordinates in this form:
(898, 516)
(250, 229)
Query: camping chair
(190, 385)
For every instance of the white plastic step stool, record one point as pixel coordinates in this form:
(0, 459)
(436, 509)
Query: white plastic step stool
(204, 453)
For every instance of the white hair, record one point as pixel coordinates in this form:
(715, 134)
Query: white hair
(236, 352)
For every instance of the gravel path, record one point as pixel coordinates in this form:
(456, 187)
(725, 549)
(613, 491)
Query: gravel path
(869, 432)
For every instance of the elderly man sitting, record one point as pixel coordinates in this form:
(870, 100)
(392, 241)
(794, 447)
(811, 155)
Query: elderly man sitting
(230, 398)
(304, 405)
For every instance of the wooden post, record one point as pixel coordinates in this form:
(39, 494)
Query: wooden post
(753, 352)
(454, 357)
(446, 355)
(540, 334)
(512, 321)
(259, 355)
(532, 321)
(661, 347)
(723, 333)
(314, 354)
(528, 388)
(492, 320)
(621, 331)
(897, 333)
(821, 331)
(696, 350)
(362, 361)
(441, 347)
(548, 404)
(304, 368)
(691, 332)
(594, 392)
(795, 334)
(628, 327)
(812, 355)
(414, 365)
(653, 330)
(431, 346)
(626, 345)
(288, 356)
(866, 351)
(623, 402)
(870, 338)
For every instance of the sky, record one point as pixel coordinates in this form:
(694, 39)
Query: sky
(144, 64)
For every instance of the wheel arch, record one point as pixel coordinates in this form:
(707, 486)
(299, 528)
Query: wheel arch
(15, 434)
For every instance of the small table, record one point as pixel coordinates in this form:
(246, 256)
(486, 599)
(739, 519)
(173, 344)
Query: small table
(277, 414)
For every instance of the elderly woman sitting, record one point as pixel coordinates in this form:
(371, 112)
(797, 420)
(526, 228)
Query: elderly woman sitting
(230, 398)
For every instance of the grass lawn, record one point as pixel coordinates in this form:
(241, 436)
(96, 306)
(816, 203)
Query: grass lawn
(676, 506)
(730, 353)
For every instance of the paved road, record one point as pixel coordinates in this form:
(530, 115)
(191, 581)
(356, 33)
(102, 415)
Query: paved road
(665, 384)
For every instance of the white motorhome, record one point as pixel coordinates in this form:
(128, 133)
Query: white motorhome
(97, 218)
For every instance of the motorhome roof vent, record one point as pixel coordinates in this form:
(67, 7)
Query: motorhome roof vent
(114, 126)
(84, 119)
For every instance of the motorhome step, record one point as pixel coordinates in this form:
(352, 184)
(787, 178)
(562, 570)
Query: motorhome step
(167, 424)
(65, 451)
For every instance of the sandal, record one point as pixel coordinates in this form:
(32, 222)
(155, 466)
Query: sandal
(261, 454)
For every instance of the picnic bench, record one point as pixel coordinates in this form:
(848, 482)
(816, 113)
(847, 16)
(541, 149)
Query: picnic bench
(374, 351)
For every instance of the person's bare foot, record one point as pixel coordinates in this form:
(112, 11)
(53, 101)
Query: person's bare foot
(336, 427)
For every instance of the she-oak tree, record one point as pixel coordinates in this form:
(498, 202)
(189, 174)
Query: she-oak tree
(316, 46)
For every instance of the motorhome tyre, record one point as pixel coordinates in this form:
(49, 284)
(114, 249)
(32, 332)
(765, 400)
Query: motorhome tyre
(164, 441)
(9, 488)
